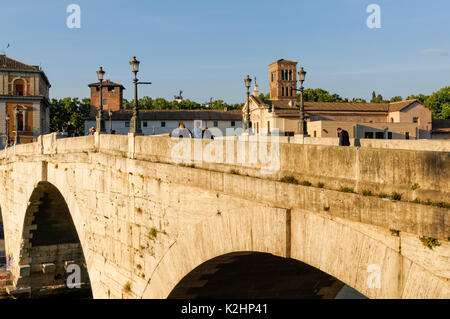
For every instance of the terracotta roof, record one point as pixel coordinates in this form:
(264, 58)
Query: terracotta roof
(283, 105)
(11, 64)
(398, 106)
(167, 115)
(106, 83)
(283, 60)
(7, 63)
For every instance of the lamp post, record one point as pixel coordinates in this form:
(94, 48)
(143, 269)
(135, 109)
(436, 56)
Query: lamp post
(302, 124)
(110, 121)
(135, 125)
(16, 115)
(7, 118)
(248, 83)
(99, 119)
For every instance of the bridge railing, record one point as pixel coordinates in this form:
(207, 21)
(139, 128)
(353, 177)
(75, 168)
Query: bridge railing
(413, 174)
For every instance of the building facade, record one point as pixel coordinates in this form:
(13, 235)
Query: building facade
(166, 121)
(399, 120)
(24, 101)
(154, 122)
(112, 95)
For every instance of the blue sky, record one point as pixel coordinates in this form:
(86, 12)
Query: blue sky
(206, 48)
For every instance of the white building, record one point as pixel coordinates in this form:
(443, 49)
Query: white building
(165, 121)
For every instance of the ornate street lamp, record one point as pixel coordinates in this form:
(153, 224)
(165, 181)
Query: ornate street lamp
(99, 119)
(135, 125)
(17, 110)
(302, 123)
(248, 83)
(7, 118)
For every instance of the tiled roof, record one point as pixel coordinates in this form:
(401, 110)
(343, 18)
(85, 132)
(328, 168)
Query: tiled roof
(398, 106)
(284, 60)
(106, 83)
(283, 105)
(178, 115)
(11, 64)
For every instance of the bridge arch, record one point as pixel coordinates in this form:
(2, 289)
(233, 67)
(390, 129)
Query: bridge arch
(232, 233)
(51, 249)
(250, 275)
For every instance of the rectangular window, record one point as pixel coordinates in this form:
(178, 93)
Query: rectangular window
(144, 124)
(268, 127)
(233, 123)
(111, 88)
(415, 120)
(407, 135)
(315, 134)
(216, 124)
(105, 102)
(368, 134)
(163, 124)
(127, 124)
(390, 135)
(379, 135)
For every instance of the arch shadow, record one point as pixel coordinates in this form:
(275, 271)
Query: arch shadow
(254, 275)
(51, 262)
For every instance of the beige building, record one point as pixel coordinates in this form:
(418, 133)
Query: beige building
(400, 120)
(24, 99)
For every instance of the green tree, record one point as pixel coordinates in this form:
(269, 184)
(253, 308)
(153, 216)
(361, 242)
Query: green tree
(69, 114)
(439, 102)
(396, 99)
(419, 97)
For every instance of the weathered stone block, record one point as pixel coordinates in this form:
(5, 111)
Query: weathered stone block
(24, 270)
(48, 268)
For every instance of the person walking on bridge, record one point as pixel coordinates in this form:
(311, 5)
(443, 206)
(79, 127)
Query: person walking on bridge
(344, 140)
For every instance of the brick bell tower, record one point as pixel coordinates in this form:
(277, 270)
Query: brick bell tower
(283, 77)
(112, 94)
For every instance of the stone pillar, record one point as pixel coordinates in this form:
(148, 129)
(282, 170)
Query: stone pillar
(3, 118)
(37, 130)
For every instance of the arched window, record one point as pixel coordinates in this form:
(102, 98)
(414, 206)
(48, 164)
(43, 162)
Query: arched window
(19, 87)
(20, 121)
(282, 91)
(290, 75)
(19, 118)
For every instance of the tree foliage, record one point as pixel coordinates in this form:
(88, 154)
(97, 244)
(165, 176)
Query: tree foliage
(147, 103)
(68, 115)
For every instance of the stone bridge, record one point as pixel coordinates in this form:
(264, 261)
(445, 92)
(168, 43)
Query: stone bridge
(154, 217)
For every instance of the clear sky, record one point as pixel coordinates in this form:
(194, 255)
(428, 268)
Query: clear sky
(206, 47)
